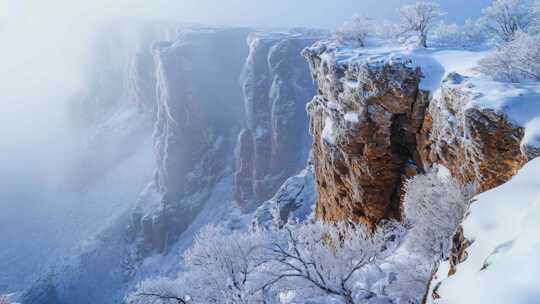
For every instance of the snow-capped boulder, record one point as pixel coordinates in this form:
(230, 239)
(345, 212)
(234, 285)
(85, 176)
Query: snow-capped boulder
(274, 143)
(294, 201)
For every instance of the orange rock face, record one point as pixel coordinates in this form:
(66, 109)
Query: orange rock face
(364, 124)
(373, 127)
(479, 146)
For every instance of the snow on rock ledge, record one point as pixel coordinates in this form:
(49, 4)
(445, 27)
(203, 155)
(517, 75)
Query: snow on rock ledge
(476, 128)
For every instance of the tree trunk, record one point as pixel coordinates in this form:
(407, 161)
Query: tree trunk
(423, 40)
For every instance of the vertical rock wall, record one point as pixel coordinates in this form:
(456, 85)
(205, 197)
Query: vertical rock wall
(199, 109)
(364, 123)
(274, 142)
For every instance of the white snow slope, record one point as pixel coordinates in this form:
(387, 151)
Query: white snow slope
(502, 265)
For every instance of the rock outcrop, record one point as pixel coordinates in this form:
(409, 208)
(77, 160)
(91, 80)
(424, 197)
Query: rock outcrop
(373, 125)
(364, 124)
(293, 202)
(480, 146)
(274, 143)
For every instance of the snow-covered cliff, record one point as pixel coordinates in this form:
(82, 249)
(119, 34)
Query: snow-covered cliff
(364, 124)
(385, 114)
(199, 106)
(203, 79)
(389, 125)
(274, 143)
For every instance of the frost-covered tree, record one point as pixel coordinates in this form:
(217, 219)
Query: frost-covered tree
(322, 259)
(447, 34)
(515, 61)
(504, 18)
(452, 35)
(434, 206)
(226, 265)
(4, 300)
(302, 261)
(160, 291)
(386, 30)
(222, 269)
(419, 19)
(535, 26)
(472, 32)
(356, 29)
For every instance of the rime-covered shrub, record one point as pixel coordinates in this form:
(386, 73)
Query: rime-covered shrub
(160, 291)
(303, 261)
(504, 18)
(386, 30)
(323, 260)
(453, 35)
(222, 268)
(356, 29)
(535, 25)
(434, 206)
(419, 19)
(515, 61)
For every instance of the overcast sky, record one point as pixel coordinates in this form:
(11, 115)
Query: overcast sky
(275, 13)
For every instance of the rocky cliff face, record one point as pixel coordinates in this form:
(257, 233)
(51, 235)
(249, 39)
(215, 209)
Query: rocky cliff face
(202, 104)
(364, 123)
(480, 146)
(373, 126)
(198, 114)
(141, 75)
(274, 142)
